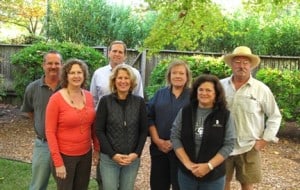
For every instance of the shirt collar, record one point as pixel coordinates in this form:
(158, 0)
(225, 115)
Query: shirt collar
(249, 82)
(185, 90)
(110, 68)
(43, 84)
(42, 81)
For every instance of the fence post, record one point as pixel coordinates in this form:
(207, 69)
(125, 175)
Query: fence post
(143, 66)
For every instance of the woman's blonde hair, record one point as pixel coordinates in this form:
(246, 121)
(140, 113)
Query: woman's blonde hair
(113, 76)
(179, 62)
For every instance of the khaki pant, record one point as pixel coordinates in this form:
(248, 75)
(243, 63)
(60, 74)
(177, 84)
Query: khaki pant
(247, 167)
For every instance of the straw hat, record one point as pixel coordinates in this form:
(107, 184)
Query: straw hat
(245, 52)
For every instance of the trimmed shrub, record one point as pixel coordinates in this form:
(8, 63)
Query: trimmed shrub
(28, 61)
(285, 86)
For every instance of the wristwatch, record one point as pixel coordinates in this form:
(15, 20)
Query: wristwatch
(210, 166)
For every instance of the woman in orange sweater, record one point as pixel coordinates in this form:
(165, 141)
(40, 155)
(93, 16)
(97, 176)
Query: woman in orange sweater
(70, 115)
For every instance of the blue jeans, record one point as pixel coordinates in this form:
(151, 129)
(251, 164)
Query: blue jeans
(186, 182)
(41, 168)
(117, 177)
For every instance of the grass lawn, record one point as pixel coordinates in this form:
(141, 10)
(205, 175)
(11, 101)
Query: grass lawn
(15, 175)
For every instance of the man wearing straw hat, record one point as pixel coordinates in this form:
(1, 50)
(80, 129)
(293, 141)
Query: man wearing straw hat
(249, 101)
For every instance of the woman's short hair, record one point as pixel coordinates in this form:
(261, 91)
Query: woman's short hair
(179, 62)
(220, 100)
(114, 75)
(68, 66)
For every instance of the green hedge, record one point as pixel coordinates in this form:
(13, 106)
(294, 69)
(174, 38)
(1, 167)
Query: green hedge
(285, 86)
(28, 61)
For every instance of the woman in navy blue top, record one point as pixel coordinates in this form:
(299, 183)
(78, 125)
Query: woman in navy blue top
(162, 110)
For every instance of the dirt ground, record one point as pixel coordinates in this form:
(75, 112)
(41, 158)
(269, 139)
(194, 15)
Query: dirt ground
(281, 161)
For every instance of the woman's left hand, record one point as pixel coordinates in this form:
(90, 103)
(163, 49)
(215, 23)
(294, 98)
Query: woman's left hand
(125, 160)
(200, 170)
(132, 156)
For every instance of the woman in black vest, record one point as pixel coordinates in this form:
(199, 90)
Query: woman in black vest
(203, 136)
(121, 127)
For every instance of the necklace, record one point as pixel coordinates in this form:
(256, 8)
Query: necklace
(73, 102)
(80, 109)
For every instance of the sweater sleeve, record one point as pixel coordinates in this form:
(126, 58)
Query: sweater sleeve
(229, 138)
(51, 121)
(176, 131)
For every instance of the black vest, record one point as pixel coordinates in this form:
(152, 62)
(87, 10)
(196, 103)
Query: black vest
(212, 140)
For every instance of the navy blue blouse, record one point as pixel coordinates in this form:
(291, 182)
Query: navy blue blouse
(163, 108)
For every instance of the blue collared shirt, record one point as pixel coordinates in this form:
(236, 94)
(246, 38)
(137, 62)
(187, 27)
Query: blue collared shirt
(163, 108)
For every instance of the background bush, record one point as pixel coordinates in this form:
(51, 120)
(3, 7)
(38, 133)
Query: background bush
(28, 61)
(285, 86)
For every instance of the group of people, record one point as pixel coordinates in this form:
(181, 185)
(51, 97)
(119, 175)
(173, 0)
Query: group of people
(202, 131)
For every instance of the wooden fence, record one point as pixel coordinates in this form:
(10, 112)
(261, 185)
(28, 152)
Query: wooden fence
(142, 62)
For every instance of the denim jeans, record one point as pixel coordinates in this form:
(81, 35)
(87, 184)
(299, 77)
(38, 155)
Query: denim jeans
(41, 168)
(117, 177)
(186, 182)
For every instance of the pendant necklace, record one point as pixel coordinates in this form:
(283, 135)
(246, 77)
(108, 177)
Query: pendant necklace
(79, 111)
(71, 100)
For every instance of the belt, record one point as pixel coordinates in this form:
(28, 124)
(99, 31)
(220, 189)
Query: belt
(42, 139)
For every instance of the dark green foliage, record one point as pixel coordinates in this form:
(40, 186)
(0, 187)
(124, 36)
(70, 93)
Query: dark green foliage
(285, 86)
(157, 78)
(198, 65)
(97, 23)
(79, 21)
(283, 39)
(28, 61)
(129, 26)
(27, 39)
(274, 31)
